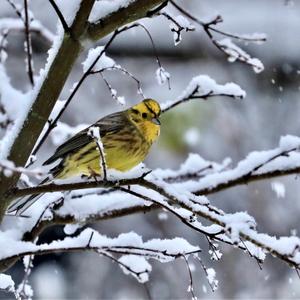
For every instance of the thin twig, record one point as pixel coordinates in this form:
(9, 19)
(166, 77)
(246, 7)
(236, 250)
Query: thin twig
(28, 46)
(208, 29)
(60, 16)
(124, 71)
(16, 9)
(191, 284)
(205, 271)
(193, 96)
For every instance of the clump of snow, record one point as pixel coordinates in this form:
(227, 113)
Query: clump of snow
(237, 223)
(26, 291)
(288, 142)
(211, 277)
(278, 188)
(162, 76)
(137, 266)
(97, 55)
(70, 229)
(6, 283)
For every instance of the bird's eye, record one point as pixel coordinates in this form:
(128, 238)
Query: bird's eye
(144, 115)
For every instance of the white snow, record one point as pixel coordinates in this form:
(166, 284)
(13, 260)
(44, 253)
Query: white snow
(203, 85)
(6, 283)
(236, 53)
(211, 277)
(97, 54)
(278, 188)
(137, 264)
(68, 9)
(13, 95)
(105, 7)
(162, 76)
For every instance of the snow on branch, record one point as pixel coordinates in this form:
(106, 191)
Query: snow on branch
(203, 87)
(283, 160)
(132, 251)
(236, 53)
(97, 55)
(103, 8)
(158, 190)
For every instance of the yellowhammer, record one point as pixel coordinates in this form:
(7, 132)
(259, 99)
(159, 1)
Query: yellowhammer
(126, 137)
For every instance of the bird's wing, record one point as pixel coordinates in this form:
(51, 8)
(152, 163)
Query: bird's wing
(109, 124)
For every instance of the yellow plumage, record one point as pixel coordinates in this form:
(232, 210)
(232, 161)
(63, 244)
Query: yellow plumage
(126, 136)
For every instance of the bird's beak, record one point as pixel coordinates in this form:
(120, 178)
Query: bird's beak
(156, 121)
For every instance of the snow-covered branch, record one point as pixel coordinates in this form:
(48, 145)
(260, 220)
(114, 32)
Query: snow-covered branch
(133, 253)
(238, 228)
(203, 87)
(226, 45)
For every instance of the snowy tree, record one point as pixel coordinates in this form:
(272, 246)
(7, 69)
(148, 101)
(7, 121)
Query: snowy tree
(28, 118)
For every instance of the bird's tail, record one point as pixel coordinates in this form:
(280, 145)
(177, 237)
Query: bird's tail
(22, 204)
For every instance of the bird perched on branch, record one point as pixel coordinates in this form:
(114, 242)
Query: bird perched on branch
(125, 138)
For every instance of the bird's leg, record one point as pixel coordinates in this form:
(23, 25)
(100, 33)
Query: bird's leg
(93, 174)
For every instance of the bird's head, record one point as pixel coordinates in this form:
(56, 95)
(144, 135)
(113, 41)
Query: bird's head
(147, 110)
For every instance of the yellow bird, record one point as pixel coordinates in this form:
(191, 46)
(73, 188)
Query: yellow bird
(126, 136)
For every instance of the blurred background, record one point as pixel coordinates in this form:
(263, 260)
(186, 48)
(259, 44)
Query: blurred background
(216, 129)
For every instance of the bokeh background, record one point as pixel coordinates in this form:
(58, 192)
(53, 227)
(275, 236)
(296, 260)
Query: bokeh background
(215, 129)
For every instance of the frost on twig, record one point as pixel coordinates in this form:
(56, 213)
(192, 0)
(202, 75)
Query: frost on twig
(102, 62)
(162, 76)
(236, 53)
